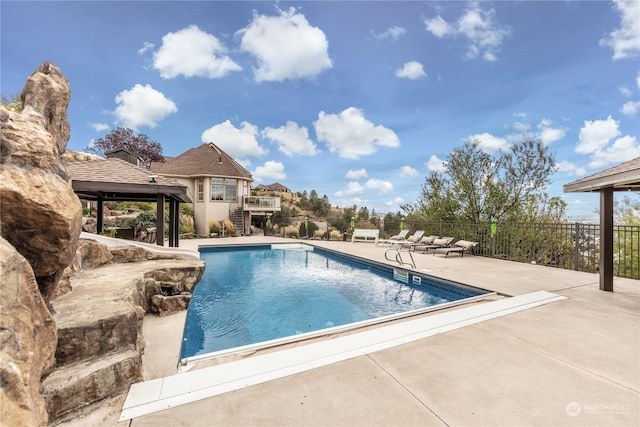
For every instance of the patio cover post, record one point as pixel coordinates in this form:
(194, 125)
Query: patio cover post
(606, 239)
(174, 222)
(160, 220)
(100, 215)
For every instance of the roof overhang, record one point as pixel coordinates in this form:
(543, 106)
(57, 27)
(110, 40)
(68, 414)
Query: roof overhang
(625, 177)
(93, 190)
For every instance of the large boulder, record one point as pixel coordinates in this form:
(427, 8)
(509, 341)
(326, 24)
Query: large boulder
(41, 216)
(27, 339)
(40, 224)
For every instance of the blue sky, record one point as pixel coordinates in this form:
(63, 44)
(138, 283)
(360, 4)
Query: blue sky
(357, 100)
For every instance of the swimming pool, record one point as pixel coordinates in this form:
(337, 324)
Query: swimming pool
(262, 295)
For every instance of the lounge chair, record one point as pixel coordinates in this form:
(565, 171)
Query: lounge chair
(425, 241)
(440, 243)
(394, 239)
(461, 246)
(410, 240)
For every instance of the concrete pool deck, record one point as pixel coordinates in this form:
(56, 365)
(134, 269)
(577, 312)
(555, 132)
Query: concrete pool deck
(571, 362)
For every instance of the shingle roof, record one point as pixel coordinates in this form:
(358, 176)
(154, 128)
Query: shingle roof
(623, 177)
(117, 176)
(273, 187)
(205, 160)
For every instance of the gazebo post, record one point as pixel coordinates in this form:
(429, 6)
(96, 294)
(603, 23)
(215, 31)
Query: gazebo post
(174, 222)
(100, 215)
(160, 220)
(606, 239)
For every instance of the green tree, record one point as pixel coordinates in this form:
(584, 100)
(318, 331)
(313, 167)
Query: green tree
(476, 186)
(363, 214)
(14, 104)
(127, 139)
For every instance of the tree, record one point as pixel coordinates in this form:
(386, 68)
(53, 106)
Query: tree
(476, 186)
(14, 104)
(125, 138)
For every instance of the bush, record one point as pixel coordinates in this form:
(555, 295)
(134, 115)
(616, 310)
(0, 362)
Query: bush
(312, 229)
(335, 235)
(214, 226)
(229, 228)
(187, 224)
(143, 206)
(290, 231)
(86, 212)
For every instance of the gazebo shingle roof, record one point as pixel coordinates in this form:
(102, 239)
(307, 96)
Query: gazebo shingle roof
(205, 160)
(118, 176)
(623, 177)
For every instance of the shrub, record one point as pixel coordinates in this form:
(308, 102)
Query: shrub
(125, 206)
(312, 229)
(214, 226)
(86, 212)
(335, 235)
(290, 231)
(186, 224)
(229, 228)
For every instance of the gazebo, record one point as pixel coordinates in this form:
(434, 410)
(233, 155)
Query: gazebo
(117, 180)
(624, 177)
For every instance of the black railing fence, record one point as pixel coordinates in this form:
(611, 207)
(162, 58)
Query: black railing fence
(572, 246)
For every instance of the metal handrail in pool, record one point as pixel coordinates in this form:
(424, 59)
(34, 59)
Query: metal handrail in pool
(398, 257)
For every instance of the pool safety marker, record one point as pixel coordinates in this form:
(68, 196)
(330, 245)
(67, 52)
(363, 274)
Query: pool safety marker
(164, 393)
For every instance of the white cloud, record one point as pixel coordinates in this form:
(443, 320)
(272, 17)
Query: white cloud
(570, 168)
(548, 134)
(630, 108)
(435, 164)
(395, 202)
(100, 127)
(146, 47)
(285, 46)
(438, 26)
(383, 187)
(411, 70)
(142, 106)
(596, 134)
(353, 189)
(622, 150)
(360, 173)
(478, 27)
(351, 135)
(625, 91)
(236, 142)
(270, 170)
(489, 143)
(292, 140)
(625, 40)
(408, 171)
(595, 139)
(521, 126)
(192, 52)
(351, 201)
(392, 32)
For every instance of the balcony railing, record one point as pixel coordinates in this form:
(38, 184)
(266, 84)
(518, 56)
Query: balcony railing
(266, 204)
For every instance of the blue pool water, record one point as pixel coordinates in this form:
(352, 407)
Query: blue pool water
(248, 295)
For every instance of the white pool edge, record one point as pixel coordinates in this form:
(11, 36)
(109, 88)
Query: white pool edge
(160, 394)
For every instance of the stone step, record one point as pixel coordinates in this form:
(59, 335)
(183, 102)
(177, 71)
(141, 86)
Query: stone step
(77, 385)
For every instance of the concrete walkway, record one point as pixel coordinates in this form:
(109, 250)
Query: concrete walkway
(571, 362)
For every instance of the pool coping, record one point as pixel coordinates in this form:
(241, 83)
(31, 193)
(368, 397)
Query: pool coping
(180, 389)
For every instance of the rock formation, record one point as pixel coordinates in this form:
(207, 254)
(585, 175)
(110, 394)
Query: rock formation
(41, 216)
(40, 224)
(27, 339)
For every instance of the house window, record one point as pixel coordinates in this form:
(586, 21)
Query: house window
(200, 189)
(224, 189)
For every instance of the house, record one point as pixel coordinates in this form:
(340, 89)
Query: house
(275, 188)
(221, 187)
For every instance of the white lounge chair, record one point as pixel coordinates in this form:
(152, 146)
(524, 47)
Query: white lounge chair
(461, 246)
(394, 239)
(442, 242)
(411, 240)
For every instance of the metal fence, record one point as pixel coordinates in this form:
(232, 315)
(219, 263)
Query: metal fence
(572, 246)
